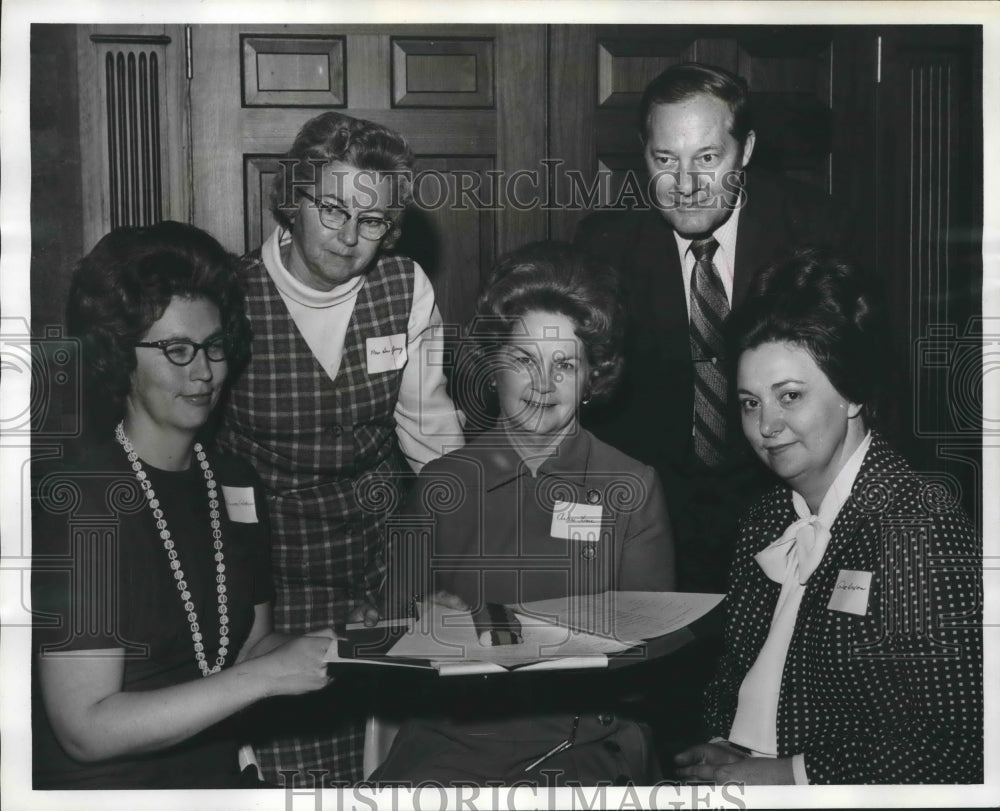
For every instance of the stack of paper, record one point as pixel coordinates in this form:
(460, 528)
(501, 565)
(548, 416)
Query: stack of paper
(556, 634)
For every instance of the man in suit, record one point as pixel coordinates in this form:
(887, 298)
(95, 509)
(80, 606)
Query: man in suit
(673, 410)
(685, 262)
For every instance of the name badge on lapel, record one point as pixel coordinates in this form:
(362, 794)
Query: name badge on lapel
(240, 504)
(850, 593)
(576, 522)
(387, 353)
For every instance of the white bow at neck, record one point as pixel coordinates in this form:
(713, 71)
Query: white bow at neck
(801, 547)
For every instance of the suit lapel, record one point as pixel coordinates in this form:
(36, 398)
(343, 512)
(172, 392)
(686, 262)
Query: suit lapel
(844, 531)
(657, 261)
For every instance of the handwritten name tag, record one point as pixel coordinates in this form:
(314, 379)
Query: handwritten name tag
(850, 593)
(240, 505)
(386, 353)
(576, 522)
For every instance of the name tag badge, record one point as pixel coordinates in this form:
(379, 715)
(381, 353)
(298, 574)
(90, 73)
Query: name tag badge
(576, 522)
(386, 353)
(850, 594)
(240, 504)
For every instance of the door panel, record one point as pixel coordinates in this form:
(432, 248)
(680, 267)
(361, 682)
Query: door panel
(448, 72)
(132, 121)
(930, 250)
(298, 71)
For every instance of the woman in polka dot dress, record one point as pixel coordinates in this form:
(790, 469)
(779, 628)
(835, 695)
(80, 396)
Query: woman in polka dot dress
(853, 646)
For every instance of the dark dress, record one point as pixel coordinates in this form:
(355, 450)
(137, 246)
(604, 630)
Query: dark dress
(101, 580)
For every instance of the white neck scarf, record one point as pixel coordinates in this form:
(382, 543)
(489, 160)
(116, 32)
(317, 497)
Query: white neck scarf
(801, 547)
(790, 560)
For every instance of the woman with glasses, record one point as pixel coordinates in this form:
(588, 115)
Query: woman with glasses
(152, 578)
(344, 393)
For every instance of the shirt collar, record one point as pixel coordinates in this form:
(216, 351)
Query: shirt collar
(839, 491)
(294, 289)
(569, 462)
(725, 235)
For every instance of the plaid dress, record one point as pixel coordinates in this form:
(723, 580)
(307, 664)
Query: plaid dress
(321, 446)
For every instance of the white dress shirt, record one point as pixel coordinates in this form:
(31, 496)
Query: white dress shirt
(427, 422)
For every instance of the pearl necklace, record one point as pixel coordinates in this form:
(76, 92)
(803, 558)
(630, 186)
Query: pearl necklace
(175, 564)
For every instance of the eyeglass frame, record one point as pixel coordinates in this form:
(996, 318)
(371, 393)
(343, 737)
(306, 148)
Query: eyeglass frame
(215, 340)
(324, 207)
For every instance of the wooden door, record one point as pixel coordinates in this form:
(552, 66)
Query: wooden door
(468, 98)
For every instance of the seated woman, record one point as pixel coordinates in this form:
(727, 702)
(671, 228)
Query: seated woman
(853, 647)
(152, 573)
(550, 322)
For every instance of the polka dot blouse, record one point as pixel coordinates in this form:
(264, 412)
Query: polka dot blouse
(891, 696)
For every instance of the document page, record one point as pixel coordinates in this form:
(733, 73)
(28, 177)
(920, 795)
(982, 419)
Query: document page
(625, 615)
(445, 635)
(559, 633)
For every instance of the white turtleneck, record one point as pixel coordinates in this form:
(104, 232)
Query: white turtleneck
(427, 423)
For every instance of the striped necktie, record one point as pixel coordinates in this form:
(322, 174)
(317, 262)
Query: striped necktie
(708, 311)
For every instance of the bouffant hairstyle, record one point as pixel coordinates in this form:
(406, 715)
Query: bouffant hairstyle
(561, 278)
(124, 285)
(688, 79)
(335, 137)
(828, 307)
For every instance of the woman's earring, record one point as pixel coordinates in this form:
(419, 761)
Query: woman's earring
(585, 400)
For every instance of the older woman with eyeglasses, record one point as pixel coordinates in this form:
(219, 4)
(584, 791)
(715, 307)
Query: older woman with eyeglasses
(344, 394)
(152, 574)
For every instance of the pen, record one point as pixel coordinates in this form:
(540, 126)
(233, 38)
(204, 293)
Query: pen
(559, 747)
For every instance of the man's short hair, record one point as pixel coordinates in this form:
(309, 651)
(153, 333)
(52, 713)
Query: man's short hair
(688, 79)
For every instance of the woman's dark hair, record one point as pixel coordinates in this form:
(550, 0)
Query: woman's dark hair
(124, 285)
(555, 277)
(356, 142)
(828, 307)
(688, 79)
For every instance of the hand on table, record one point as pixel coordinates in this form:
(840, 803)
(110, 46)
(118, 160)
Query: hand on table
(370, 614)
(448, 600)
(721, 763)
(367, 613)
(700, 763)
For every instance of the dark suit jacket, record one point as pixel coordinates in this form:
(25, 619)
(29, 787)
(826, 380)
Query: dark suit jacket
(895, 695)
(650, 416)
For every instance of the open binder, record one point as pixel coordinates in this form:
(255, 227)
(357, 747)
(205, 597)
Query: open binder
(610, 629)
